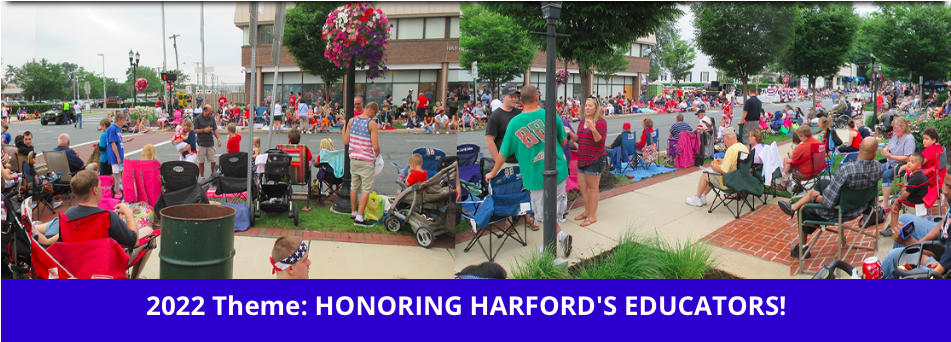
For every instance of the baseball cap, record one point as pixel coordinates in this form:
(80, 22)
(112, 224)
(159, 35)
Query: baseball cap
(729, 131)
(700, 111)
(626, 126)
(509, 90)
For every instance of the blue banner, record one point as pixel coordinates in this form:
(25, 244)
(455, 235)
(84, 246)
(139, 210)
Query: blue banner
(242, 310)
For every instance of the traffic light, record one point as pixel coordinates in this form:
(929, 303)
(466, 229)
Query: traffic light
(169, 77)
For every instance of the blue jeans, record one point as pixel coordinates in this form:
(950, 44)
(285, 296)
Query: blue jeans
(922, 227)
(79, 120)
(428, 128)
(887, 175)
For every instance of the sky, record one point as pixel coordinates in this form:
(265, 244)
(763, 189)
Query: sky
(76, 32)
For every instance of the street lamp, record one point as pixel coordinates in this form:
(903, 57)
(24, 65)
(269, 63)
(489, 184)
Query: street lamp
(134, 65)
(551, 11)
(874, 89)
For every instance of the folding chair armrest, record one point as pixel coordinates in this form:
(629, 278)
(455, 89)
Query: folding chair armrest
(814, 206)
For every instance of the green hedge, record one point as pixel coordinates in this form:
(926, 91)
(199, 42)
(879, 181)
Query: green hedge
(30, 108)
(943, 126)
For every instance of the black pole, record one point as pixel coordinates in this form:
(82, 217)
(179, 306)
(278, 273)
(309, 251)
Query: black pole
(874, 92)
(135, 92)
(567, 81)
(551, 118)
(342, 203)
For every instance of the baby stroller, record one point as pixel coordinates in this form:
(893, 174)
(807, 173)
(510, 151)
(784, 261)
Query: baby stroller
(426, 206)
(275, 186)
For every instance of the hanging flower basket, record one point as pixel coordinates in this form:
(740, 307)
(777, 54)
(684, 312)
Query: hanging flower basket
(561, 77)
(359, 32)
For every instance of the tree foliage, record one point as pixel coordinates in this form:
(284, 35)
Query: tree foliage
(500, 46)
(149, 74)
(911, 37)
(825, 35)
(665, 36)
(742, 38)
(303, 25)
(611, 64)
(595, 29)
(40, 80)
(678, 59)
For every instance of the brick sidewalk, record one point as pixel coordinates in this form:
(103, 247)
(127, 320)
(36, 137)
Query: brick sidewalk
(442, 241)
(768, 233)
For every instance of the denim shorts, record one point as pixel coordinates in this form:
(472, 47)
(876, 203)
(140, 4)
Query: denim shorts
(596, 167)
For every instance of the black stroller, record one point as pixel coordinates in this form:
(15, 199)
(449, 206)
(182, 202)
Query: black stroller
(276, 190)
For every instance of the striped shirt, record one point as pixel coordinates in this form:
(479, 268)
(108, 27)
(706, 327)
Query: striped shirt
(361, 147)
(588, 149)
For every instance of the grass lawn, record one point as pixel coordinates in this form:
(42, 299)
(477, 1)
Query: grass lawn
(319, 218)
(769, 139)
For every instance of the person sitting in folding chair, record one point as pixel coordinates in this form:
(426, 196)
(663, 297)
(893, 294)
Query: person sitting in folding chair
(860, 174)
(924, 230)
(124, 229)
(914, 192)
(721, 166)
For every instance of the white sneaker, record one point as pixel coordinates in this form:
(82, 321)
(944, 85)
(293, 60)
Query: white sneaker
(703, 199)
(694, 201)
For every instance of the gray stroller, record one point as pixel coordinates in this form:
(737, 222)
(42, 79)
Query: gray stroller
(428, 207)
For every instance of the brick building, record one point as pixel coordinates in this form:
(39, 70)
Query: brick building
(423, 56)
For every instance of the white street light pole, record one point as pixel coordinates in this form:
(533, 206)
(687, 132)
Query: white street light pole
(202, 46)
(104, 98)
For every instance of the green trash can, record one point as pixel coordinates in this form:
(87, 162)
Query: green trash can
(197, 242)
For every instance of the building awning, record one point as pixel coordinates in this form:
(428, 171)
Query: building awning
(12, 90)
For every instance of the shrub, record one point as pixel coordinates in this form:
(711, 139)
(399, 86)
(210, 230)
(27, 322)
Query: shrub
(943, 126)
(30, 108)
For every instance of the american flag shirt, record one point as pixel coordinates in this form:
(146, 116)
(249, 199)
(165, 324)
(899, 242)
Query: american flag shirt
(361, 148)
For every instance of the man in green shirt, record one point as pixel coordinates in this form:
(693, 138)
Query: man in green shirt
(525, 139)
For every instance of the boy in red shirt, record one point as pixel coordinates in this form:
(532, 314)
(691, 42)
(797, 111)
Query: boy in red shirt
(416, 172)
(234, 140)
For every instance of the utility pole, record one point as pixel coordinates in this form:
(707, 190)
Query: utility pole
(165, 99)
(254, 61)
(202, 46)
(197, 75)
(276, 58)
(175, 46)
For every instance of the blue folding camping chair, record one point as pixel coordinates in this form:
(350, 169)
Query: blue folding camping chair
(505, 202)
(629, 146)
(260, 115)
(431, 157)
(469, 158)
(651, 157)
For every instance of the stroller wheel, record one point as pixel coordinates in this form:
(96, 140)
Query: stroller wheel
(296, 214)
(392, 223)
(251, 218)
(424, 237)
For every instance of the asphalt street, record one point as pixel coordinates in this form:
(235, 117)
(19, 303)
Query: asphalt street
(395, 147)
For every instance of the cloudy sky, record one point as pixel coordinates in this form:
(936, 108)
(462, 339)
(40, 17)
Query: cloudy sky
(77, 31)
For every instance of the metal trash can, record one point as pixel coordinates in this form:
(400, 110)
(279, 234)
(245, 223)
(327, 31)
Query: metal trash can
(197, 242)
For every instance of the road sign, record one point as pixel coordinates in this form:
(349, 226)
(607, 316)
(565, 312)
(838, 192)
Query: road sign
(208, 91)
(86, 87)
(188, 89)
(475, 70)
(207, 70)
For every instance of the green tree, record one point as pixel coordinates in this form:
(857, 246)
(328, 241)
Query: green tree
(499, 45)
(743, 38)
(678, 59)
(40, 80)
(825, 35)
(303, 25)
(152, 75)
(665, 36)
(911, 37)
(611, 64)
(595, 29)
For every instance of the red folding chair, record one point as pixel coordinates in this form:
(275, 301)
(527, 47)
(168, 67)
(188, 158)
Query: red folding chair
(818, 160)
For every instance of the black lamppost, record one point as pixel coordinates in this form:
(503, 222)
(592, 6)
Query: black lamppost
(134, 65)
(874, 90)
(342, 203)
(551, 11)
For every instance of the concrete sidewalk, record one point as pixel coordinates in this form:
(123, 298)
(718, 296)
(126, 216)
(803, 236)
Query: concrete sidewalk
(336, 260)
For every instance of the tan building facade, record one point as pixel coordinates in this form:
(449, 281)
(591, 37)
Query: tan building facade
(423, 56)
